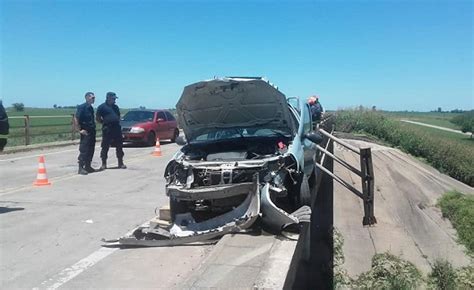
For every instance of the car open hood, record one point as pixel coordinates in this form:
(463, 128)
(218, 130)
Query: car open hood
(230, 103)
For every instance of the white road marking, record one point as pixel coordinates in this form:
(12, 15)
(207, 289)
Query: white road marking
(38, 155)
(6, 191)
(16, 189)
(71, 272)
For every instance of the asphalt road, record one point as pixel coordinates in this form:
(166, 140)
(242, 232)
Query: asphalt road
(50, 236)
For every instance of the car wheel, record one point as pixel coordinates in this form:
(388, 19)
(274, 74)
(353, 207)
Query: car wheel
(151, 139)
(175, 135)
(305, 192)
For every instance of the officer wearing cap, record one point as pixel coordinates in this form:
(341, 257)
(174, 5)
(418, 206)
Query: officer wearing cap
(108, 114)
(4, 127)
(85, 124)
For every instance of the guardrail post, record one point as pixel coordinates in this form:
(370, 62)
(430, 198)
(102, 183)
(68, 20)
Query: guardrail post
(73, 127)
(27, 130)
(367, 178)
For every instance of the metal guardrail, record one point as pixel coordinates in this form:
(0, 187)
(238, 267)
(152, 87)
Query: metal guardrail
(27, 125)
(312, 262)
(366, 173)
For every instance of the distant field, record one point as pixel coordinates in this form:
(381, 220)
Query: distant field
(431, 118)
(40, 112)
(463, 139)
(448, 152)
(42, 130)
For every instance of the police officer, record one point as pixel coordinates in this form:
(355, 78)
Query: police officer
(108, 114)
(316, 108)
(4, 127)
(85, 124)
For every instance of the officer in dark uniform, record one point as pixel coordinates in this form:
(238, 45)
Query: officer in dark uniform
(4, 127)
(108, 114)
(85, 124)
(316, 109)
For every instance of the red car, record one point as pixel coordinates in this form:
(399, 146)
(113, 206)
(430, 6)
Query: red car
(143, 126)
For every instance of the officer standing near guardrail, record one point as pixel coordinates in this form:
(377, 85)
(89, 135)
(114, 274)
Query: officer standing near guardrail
(85, 124)
(108, 114)
(4, 127)
(316, 108)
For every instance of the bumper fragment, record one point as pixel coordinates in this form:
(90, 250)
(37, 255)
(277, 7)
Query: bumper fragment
(186, 230)
(236, 220)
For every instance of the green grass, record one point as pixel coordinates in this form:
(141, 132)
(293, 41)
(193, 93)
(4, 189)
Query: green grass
(457, 137)
(387, 271)
(431, 118)
(42, 130)
(459, 209)
(16, 122)
(40, 112)
(443, 276)
(446, 151)
(392, 272)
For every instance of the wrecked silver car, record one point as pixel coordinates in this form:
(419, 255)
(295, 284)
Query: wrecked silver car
(247, 154)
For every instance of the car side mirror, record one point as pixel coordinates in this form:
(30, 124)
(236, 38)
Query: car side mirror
(159, 120)
(314, 137)
(181, 140)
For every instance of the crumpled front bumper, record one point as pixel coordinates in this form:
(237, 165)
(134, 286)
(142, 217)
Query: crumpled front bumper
(257, 203)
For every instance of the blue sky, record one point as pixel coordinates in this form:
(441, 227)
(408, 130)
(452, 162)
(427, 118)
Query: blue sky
(396, 55)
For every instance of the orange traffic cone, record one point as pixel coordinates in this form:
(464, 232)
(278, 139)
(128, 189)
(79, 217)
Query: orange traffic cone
(41, 177)
(157, 151)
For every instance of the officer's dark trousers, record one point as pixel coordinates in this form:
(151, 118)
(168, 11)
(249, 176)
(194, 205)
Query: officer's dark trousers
(111, 136)
(87, 147)
(3, 142)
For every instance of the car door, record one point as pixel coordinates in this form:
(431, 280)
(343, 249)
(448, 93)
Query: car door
(309, 148)
(161, 125)
(171, 124)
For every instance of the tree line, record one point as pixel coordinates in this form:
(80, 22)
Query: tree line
(465, 121)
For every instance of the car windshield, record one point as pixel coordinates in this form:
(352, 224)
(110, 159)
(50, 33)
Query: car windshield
(231, 133)
(138, 116)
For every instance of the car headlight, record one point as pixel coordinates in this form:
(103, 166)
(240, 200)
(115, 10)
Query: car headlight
(137, 130)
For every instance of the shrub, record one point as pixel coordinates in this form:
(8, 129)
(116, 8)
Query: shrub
(465, 121)
(465, 278)
(19, 107)
(448, 156)
(442, 276)
(459, 209)
(341, 278)
(389, 272)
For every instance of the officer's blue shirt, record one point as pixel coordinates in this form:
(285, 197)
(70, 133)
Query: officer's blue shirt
(317, 108)
(110, 114)
(85, 116)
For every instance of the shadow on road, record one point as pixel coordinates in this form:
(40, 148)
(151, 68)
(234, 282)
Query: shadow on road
(9, 209)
